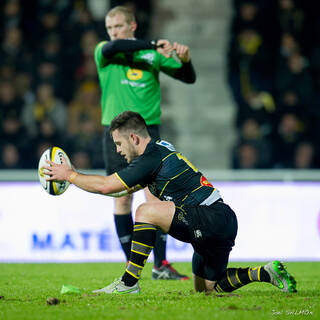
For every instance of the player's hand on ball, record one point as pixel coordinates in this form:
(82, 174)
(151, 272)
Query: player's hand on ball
(56, 171)
(57, 156)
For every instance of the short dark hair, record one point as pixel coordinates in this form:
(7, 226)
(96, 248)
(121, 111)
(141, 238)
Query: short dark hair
(129, 121)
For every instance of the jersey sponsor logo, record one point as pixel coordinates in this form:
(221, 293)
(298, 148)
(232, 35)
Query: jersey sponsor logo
(133, 84)
(166, 144)
(134, 74)
(149, 57)
(204, 182)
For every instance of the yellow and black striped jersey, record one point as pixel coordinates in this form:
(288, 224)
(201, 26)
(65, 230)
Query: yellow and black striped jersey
(168, 175)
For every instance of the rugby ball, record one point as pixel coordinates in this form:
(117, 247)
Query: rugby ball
(54, 154)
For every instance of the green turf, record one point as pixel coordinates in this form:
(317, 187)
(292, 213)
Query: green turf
(24, 289)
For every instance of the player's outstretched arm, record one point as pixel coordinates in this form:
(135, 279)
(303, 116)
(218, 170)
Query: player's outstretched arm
(110, 185)
(125, 45)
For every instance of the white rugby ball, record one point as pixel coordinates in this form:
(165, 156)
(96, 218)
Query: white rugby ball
(54, 154)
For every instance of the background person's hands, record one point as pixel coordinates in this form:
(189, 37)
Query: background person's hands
(182, 51)
(164, 47)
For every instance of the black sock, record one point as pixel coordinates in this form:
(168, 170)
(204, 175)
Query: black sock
(159, 249)
(143, 239)
(235, 278)
(124, 227)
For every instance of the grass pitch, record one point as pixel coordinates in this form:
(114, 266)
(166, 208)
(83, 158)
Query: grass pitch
(24, 289)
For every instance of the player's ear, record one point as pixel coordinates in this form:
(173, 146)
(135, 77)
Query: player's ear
(136, 139)
(134, 26)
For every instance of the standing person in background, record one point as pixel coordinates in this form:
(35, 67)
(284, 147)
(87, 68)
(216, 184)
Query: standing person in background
(128, 71)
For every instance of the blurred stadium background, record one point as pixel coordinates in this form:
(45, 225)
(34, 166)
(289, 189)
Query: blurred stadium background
(255, 107)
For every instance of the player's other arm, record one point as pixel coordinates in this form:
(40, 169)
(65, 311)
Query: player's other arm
(186, 72)
(126, 45)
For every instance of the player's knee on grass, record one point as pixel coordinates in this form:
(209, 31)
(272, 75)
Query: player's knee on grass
(203, 285)
(210, 268)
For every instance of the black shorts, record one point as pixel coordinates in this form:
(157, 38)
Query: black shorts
(113, 161)
(211, 230)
